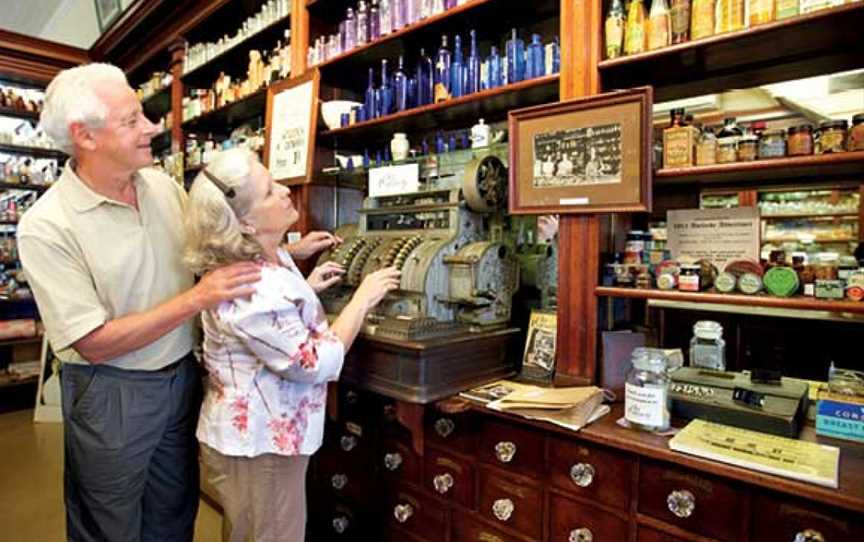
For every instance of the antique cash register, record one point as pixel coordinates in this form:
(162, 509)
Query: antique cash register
(447, 328)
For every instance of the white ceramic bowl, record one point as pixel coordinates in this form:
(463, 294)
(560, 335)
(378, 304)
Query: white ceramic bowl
(356, 160)
(332, 111)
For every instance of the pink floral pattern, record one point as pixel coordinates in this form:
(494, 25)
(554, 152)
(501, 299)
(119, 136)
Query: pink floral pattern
(269, 359)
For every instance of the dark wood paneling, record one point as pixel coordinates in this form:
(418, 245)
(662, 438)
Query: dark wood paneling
(35, 61)
(569, 519)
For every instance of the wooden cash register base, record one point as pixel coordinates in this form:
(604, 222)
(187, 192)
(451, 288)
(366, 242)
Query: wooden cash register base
(604, 483)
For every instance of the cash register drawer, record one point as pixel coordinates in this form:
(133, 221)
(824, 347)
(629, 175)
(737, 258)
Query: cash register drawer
(692, 501)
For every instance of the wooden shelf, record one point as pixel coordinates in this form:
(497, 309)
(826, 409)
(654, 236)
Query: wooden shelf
(810, 216)
(235, 61)
(821, 165)
(461, 112)
(341, 71)
(821, 240)
(19, 113)
(226, 118)
(13, 186)
(799, 303)
(158, 104)
(37, 152)
(826, 41)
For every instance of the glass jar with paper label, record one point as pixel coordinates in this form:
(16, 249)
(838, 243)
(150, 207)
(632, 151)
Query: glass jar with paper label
(646, 392)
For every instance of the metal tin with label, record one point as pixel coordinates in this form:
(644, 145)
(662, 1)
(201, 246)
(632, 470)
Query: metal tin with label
(830, 289)
(667, 281)
(781, 281)
(750, 283)
(725, 282)
(855, 293)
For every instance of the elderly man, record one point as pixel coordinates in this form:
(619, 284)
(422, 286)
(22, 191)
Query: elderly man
(102, 250)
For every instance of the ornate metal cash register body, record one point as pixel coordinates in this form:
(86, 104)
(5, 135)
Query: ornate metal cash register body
(447, 327)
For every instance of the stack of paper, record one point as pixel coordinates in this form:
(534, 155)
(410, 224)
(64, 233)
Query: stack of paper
(572, 408)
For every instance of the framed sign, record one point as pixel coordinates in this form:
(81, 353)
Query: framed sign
(292, 116)
(106, 12)
(590, 155)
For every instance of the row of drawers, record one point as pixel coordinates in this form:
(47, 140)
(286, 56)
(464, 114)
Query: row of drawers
(493, 468)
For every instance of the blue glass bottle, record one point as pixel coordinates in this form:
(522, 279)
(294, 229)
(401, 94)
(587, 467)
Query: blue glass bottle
(425, 79)
(494, 69)
(439, 143)
(472, 70)
(397, 9)
(424, 147)
(374, 21)
(451, 143)
(515, 59)
(443, 62)
(412, 93)
(369, 103)
(400, 87)
(457, 79)
(536, 58)
(350, 30)
(366, 160)
(385, 92)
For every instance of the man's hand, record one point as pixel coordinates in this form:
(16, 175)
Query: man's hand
(226, 283)
(325, 276)
(312, 243)
(547, 228)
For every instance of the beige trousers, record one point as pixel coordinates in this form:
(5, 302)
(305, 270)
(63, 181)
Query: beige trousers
(263, 498)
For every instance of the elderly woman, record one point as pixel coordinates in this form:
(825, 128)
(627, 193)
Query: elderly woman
(269, 357)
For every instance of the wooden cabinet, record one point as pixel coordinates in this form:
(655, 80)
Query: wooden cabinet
(510, 500)
(453, 431)
(647, 534)
(409, 514)
(576, 521)
(517, 448)
(469, 529)
(449, 476)
(599, 474)
(398, 462)
(781, 518)
(692, 501)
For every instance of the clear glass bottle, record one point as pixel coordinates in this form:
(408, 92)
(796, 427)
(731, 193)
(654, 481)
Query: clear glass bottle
(385, 14)
(443, 62)
(707, 347)
(614, 29)
(634, 37)
(659, 34)
(646, 391)
(702, 17)
(374, 21)
(350, 30)
(362, 23)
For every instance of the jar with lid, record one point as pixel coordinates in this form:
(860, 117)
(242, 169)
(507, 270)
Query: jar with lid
(831, 137)
(730, 128)
(747, 148)
(856, 134)
(772, 144)
(706, 148)
(634, 247)
(800, 140)
(707, 347)
(688, 278)
(727, 150)
(646, 391)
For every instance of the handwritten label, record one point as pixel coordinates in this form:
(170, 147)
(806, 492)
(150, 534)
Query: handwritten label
(392, 180)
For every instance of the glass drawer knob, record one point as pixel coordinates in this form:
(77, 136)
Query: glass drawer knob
(582, 474)
(444, 427)
(581, 535)
(348, 443)
(340, 524)
(338, 481)
(443, 483)
(809, 535)
(352, 398)
(392, 461)
(402, 512)
(681, 502)
(503, 509)
(505, 451)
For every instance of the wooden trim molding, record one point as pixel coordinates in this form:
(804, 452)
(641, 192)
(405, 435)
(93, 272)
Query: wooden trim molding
(33, 60)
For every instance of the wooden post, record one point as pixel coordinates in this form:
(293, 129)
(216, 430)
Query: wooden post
(299, 37)
(178, 50)
(579, 237)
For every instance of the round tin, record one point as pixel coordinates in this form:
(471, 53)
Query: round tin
(750, 283)
(667, 281)
(781, 281)
(725, 282)
(855, 293)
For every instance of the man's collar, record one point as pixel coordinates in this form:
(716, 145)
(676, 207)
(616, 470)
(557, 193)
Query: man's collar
(82, 197)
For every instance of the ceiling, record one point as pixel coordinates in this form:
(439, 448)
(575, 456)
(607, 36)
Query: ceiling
(72, 22)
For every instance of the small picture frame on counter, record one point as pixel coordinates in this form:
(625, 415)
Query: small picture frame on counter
(584, 156)
(538, 360)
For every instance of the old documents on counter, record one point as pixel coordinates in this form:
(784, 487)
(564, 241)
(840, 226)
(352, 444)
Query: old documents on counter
(572, 408)
(806, 461)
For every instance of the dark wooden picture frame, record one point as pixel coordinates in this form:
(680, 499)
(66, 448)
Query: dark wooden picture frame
(273, 91)
(584, 156)
(107, 12)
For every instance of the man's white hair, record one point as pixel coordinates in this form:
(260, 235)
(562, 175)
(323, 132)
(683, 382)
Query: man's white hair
(213, 231)
(71, 97)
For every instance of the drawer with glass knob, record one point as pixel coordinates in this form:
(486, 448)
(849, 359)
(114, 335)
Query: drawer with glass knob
(590, 471)
(510, 501)
(575, 521)
(449, 477)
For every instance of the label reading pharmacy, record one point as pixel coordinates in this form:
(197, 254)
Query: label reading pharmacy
(646, 406)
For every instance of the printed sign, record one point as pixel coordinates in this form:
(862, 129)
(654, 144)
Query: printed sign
(393, 180)
(718, 235)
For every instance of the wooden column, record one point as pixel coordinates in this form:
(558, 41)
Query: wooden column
(579, 236)
(299, 37)
(178, 50)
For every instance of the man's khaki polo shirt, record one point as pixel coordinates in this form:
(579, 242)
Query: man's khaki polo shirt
(90, 259)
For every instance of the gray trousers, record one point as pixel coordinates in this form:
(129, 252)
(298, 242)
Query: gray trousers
(131, 457)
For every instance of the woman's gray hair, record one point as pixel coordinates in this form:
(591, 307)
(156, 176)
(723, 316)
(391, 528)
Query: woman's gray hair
(213, 231)
(71, 97)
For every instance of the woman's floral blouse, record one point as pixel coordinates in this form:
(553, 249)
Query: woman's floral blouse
(268, 359)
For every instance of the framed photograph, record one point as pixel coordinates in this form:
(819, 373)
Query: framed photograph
(590, 155)
(538, 361)
(292, 116)
(106, 12)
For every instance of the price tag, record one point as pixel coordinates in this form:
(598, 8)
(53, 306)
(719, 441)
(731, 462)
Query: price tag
(393, 180)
